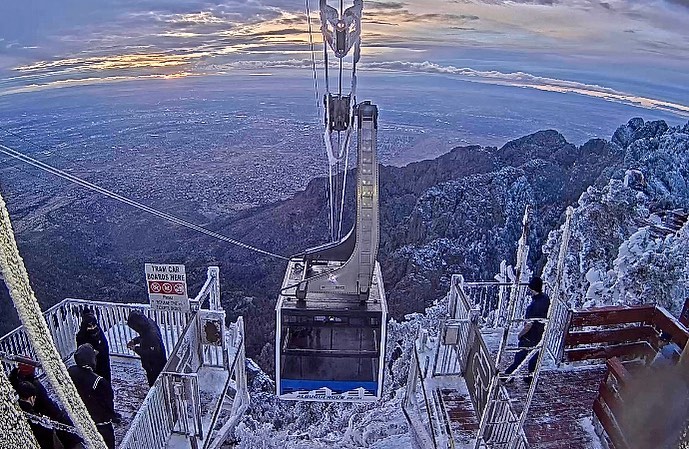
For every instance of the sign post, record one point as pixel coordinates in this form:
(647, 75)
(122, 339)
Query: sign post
(167, 287)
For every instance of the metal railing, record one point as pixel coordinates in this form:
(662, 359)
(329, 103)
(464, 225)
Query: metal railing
(237, 389)
(480, 372)
(206, 342)
(64, 320)
(455, 340)
(193, 340)
(422, 411)
(152, 425)
(491, 299)
(554, 339)
(502, 424)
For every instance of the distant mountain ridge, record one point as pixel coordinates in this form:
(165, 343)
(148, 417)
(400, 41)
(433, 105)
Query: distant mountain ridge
(460, 212)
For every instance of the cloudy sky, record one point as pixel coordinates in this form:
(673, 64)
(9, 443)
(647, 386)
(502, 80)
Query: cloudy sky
(628, 51)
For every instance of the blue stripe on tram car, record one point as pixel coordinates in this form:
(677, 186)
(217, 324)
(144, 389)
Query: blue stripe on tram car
(337, 386)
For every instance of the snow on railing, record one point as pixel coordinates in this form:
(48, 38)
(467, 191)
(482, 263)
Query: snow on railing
(64, 319)
(421, 412)
(192, 340)
(453, 345)
(205, 342)
(491, 298)
(152, 425)
(560, 319)
(238, 382)
(501, 424)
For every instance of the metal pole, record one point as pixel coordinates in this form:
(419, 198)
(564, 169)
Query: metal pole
(214, 302)
(522, 252)
(29, 311)
(566, 232)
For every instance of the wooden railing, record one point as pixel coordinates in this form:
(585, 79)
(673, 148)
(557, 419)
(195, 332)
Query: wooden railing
(630, 332)
(608, 405)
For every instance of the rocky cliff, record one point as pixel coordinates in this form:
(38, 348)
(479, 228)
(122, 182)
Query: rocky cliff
(459, 213)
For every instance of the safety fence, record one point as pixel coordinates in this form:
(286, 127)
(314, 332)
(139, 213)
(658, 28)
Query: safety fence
(64, 320)
(175, 404)
(459, 350)
(502, 429)
(206, 342)
(558, 324)
(421, 405)
(491, 299)
(499, 423)
(194, 340)
(152, 425)
(455, 339)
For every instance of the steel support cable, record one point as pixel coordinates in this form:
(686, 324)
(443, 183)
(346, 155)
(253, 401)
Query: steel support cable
(331, 221)
(48, 423)
(331, 202)
(86, 184)
(53, 154)
(338, 185)
(346, 154)
(313, 61)
(344, 189)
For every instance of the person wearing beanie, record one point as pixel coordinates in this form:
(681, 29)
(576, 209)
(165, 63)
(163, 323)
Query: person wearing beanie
(532, 332)
(148, 345)
(91, 333)
(536, 284)
(45, 436)
(95, 391)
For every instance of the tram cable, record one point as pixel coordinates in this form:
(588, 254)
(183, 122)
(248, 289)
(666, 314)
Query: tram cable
(313, 62)
(96, 188)
(330, 188)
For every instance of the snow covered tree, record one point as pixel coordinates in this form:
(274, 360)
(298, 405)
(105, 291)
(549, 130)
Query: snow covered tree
(613, 256)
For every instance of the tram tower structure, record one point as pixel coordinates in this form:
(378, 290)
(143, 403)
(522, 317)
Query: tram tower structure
(331, 311)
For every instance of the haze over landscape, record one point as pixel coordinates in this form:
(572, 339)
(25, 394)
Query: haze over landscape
(211, 111)
(207, 108)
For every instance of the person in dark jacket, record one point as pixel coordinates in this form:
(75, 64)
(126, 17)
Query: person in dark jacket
(95, 391)
(532, 332)
(45, 436)
(43, 404)
(148, 345)
(91, 333)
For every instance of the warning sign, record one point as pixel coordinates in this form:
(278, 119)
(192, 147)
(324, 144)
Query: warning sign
(167, 287)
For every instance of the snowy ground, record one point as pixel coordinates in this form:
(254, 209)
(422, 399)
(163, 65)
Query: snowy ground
(130, 386)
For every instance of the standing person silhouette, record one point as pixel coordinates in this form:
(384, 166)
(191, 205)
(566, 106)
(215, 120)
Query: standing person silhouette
(91, 333)
(95, 391)
(532, 332)
(148, 345)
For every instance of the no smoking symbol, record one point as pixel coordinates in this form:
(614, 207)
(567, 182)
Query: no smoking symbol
(155, 287)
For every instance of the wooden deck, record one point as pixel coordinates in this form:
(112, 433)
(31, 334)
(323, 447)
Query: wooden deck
(558, 417)
(463, 420)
